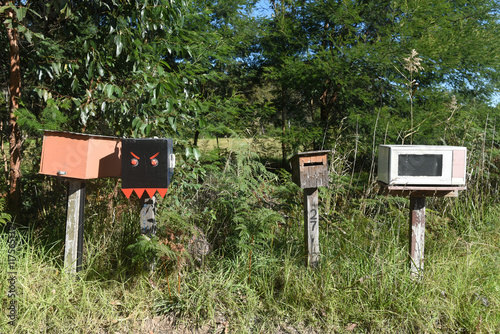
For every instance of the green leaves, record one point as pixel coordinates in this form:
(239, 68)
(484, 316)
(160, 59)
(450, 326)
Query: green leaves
(193, 151)
(20, 12)
(119, 45)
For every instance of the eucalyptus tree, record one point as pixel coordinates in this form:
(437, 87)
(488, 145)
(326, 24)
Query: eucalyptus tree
(229, 34)
(111, 67)
(12, 17)
(348, 62)
(134, 67)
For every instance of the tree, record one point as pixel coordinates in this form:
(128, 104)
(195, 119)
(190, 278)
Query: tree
(344, 60)
(13, 16)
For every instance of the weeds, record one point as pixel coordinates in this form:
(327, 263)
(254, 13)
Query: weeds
(250, 276)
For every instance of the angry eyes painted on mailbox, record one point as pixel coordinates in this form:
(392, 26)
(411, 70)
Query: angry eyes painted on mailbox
(147, 166)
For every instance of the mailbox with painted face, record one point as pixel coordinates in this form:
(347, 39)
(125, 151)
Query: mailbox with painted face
(147, 166)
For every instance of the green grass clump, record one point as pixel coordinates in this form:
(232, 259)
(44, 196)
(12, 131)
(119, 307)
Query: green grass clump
(49, 300)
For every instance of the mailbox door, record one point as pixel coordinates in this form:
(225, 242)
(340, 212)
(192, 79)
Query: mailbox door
(313, 171)
(64, 156)
(146, 166)
(310, 169)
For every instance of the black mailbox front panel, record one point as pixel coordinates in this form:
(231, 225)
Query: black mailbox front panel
(146, 166)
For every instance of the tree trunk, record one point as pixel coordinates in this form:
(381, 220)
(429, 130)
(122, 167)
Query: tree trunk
(283, 129)
(196, 136)
(15, 135)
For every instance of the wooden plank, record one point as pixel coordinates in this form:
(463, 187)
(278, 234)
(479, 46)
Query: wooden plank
(311, 226)
(148, 211)
(417, 235)
(73, 247)
(148, 223)
(420, 191)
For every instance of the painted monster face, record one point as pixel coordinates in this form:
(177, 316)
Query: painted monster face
(147, 166)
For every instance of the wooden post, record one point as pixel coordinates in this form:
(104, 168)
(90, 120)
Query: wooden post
(310, 171)
(311, 226)
(148, 210)
(73, 247)
(148, 222)
(417, 235)
(417, 196)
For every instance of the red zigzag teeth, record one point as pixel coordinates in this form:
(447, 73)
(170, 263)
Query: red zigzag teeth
(140, 191)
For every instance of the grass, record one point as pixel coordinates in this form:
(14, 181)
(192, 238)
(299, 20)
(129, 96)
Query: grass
(355, 287)
(265, 148)
(254, 280)
(51, 301)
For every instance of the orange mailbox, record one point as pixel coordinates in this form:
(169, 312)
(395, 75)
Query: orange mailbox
(80, 156)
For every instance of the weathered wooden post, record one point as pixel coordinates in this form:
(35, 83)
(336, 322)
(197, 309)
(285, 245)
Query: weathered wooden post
(417, 234)
(310, 171)
(73, 249)
(420, 171)
(148, 212)
(311, 226)
(148, 223)
(78, 157)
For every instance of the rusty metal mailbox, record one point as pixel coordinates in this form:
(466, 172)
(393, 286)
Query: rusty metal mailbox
(80, 156)
(310, 169)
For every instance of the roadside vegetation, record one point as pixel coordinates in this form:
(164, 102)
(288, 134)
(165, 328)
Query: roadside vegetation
(251, 277)
(240, 92)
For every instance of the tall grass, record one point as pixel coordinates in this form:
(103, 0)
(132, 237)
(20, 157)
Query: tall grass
(253, 279)
(48, 300)
(363, 281)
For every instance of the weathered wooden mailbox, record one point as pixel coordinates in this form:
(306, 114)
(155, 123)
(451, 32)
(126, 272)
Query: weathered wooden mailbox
(78, 157)
(310, 171)
(419, 171)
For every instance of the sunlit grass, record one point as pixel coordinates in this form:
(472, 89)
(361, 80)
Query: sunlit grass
(264, 147)
(255, 281)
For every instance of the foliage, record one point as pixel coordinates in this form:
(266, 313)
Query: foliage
(4, 217)
(347, 60)
(253, 278)
(332, 75)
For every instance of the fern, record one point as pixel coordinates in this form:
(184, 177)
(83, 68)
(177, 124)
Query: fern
(4, 217)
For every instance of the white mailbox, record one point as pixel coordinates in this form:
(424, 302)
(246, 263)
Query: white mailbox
(422, 165)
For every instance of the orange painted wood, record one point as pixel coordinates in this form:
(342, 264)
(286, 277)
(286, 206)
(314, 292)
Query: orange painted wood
(80, 156)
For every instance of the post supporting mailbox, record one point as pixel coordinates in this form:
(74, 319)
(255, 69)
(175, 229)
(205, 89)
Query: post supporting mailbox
(416, 231)
(73, 249)
(310, 171)
(420, 171)
(311, 226)
(417, 235)
(78, 157)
